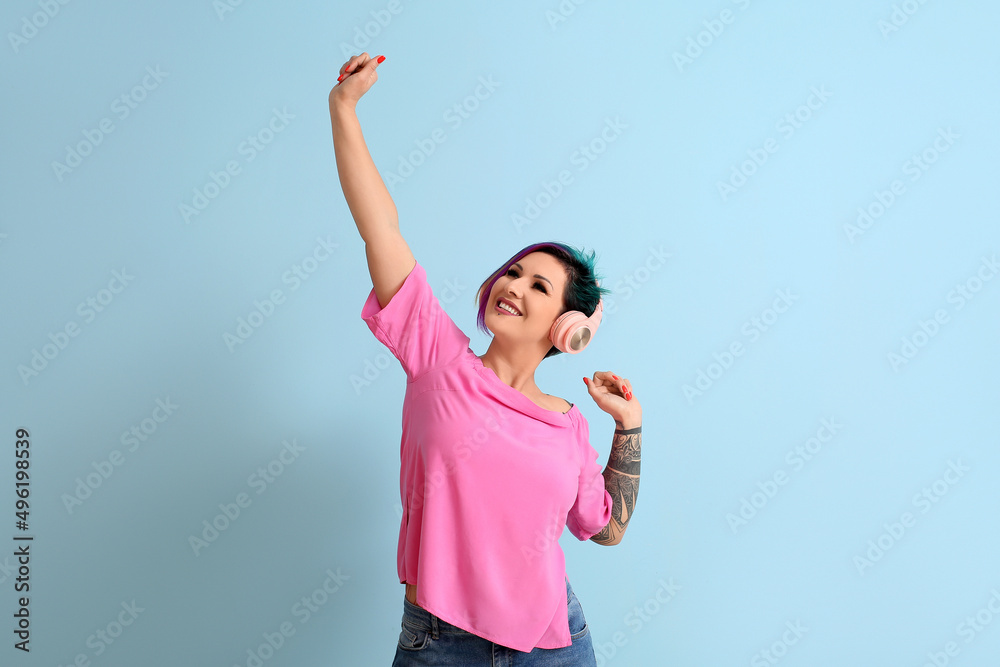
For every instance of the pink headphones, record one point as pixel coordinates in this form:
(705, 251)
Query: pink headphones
(572, 331)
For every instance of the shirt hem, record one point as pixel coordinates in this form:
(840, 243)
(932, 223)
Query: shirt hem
(487, 635)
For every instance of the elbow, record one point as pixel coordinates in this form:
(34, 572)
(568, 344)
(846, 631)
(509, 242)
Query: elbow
(607, 537)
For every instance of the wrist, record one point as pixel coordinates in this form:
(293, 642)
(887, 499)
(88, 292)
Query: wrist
(625, 422)
(340, 105)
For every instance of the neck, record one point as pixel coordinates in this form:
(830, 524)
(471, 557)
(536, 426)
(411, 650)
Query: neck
(514, 369)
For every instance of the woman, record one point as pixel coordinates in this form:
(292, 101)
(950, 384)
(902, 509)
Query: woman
(491, 468)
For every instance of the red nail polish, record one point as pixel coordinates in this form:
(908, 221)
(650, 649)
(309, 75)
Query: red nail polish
(586, 382)
(614, 376)
(380, 59)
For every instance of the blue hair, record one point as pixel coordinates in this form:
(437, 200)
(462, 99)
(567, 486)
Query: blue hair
(582, 292)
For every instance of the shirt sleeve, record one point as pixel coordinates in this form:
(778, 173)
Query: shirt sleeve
(592, 510)
(414, 326)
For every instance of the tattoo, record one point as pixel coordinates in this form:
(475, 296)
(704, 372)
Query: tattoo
(621, 480)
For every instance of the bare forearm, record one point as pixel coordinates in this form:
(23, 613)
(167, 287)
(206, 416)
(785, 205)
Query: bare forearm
(621, 479)
(366, 194)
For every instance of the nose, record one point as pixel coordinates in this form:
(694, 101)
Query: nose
(513, 287)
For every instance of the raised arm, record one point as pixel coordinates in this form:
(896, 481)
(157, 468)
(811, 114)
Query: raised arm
(389, 257)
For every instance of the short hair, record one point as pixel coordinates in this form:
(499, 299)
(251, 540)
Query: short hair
(582, 292)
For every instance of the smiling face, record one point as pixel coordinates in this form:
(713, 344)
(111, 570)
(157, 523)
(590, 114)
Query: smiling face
(534, 287)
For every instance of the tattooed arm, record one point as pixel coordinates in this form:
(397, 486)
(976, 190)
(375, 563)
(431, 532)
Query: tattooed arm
(621, 478)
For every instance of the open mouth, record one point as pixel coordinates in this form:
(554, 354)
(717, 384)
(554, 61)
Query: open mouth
(507, 308)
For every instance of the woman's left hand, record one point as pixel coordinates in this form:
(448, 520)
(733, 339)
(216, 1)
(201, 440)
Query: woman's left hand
(613, 394)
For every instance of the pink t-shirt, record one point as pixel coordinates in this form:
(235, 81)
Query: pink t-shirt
(488, 480)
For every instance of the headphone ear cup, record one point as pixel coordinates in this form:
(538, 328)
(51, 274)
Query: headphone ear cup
(572, 331)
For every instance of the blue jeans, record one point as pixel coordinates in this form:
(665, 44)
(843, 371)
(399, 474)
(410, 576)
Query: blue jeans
(427, 640)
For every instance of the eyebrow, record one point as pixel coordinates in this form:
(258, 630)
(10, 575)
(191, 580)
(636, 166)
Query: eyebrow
(520, 268)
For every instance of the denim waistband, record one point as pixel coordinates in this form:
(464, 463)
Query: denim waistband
(419, 617)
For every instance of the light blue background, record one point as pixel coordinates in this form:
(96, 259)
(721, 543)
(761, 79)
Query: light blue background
(653, 189)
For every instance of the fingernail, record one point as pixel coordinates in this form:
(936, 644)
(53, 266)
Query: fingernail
(380, 59)
(586, 381)
(340, 78)
(614, 376)
(628, 396)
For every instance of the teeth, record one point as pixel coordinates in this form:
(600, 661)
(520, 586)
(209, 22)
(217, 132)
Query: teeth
(507, 308)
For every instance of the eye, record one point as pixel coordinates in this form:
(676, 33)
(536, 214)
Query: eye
(540, 286)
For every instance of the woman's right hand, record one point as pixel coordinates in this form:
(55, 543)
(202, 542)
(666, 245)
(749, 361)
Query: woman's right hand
(357, 77)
